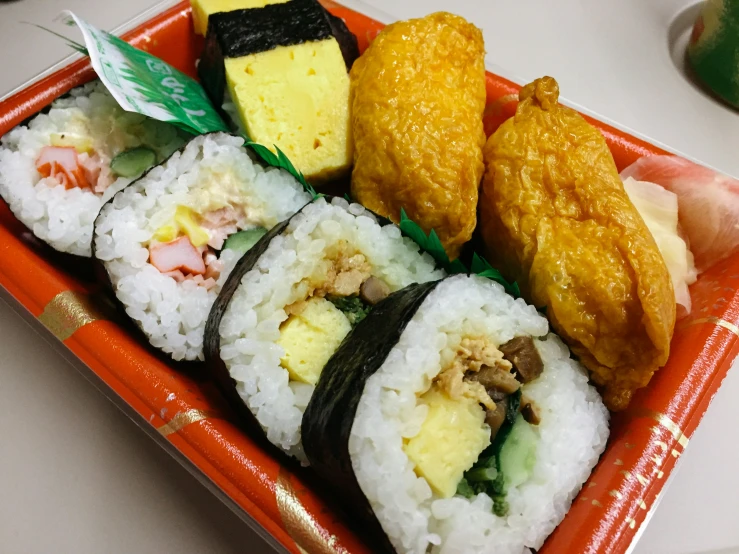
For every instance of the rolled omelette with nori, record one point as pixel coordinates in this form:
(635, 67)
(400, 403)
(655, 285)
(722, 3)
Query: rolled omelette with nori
(203, 9)
(169, 240)
(417, 99)
(285, 74)
(292, 299)
(555, 217)
(449, 420)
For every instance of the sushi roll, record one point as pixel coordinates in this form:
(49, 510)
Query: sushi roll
(450, 421)
(169, 240)
(283, 77)
(59, 168)
(293, 298)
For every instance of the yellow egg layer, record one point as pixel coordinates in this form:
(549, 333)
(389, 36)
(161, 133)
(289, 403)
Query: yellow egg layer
(297, 98)
(310, 339)
(450, 441)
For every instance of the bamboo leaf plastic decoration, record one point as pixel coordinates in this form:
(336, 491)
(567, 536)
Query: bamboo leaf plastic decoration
(430, 244)
(481, 267)
(283, 162)
(71, 43)
(433, 246)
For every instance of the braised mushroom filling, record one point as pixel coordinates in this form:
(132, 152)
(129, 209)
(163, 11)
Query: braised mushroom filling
(490, 374)
(474, 405)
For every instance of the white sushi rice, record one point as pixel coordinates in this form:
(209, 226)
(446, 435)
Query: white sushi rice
(64, 218)
(251, 324)
(572, 433)
(173, 314)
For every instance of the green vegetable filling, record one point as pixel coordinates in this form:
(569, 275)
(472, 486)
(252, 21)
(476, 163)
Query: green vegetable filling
(133, 162)
(243, 241)
(353, 307)
(508, 461)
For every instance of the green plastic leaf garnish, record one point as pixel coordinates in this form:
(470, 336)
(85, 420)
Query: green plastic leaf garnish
(71, 43)
(283, 162)
(430, 243)
(481, 267)
(456, 266)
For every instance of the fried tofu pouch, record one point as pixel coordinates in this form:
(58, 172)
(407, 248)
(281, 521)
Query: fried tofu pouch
(417, 99)
(554, 216)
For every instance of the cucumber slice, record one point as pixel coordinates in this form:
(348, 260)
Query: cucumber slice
(244, 240)
(133, 162)
(518, 455)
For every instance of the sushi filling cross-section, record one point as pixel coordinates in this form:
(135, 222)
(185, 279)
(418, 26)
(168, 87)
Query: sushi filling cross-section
(169, 240)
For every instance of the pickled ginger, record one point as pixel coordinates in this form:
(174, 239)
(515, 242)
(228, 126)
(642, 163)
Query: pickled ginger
(708, 204)
(659, 209)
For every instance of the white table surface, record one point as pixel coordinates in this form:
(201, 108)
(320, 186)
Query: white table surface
(76, 475)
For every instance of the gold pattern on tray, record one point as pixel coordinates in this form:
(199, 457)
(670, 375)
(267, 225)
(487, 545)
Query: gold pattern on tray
(183, 419)
(596, 503)
(631, 522)
(716, 321)
(615, 494)
(642, 504)
(666, 423)
(299, 523)
(69, 311)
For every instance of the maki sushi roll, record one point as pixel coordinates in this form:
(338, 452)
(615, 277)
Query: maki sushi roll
(169, 240)
(59, 168)
(450, 421)
(293, 298)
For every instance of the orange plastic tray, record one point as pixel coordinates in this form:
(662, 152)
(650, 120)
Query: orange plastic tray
(645, 444)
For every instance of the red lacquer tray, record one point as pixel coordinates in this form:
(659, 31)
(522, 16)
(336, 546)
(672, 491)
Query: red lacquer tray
(283, 499)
